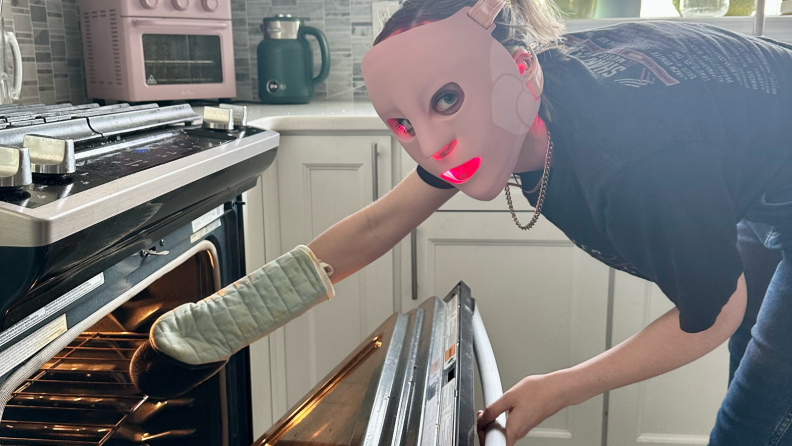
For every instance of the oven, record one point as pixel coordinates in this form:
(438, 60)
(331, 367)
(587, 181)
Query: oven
(146, 216)
(77, 390)
(154, 50)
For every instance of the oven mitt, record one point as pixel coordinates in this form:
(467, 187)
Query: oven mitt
(193, 341)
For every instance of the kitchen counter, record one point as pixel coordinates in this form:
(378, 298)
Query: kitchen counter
(315, 116)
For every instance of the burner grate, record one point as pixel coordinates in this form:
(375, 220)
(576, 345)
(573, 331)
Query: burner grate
(81, 397)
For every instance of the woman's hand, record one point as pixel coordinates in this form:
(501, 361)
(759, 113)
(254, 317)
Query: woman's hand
(527, 404)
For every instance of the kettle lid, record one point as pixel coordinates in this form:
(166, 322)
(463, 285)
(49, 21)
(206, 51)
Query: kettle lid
(281, 26)
(282, 18)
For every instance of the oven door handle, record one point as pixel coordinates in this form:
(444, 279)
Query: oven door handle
(180, 23)
(490, 379)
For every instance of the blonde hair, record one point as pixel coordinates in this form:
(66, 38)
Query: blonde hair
(526, 24)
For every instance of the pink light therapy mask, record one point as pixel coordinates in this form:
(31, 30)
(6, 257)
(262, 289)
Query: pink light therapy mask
(477, 146)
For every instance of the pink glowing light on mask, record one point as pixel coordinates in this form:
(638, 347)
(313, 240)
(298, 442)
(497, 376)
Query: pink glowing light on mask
(463, 172)
(445, 151)
(398, 127)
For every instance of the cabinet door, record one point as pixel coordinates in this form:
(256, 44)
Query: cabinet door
(321, 180)
(677, 408)
(543, 301)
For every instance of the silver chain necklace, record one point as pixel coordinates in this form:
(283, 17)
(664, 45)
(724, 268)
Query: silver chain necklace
(542, 190)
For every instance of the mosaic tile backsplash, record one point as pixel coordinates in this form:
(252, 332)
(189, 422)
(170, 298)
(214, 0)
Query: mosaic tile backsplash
(48, 32)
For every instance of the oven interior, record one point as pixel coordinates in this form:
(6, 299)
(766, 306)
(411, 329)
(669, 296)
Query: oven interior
(84, 395)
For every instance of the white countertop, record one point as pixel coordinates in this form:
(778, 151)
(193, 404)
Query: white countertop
(316, 116)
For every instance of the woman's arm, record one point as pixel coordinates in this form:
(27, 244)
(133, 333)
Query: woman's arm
(364, 236)
(659, 348)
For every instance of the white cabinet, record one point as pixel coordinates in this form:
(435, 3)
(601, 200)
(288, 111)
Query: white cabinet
(677, 408)
(543, 301)
(322, 180)
(316, 181)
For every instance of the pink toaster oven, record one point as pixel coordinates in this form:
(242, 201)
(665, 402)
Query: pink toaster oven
(158, 50)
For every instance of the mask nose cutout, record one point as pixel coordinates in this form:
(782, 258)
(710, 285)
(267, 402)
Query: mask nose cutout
(445, 151)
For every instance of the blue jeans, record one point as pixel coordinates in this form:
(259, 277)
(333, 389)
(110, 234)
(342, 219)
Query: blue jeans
(757, 410)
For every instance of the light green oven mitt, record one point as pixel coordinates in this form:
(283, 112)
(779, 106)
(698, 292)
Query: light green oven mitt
(217, 327)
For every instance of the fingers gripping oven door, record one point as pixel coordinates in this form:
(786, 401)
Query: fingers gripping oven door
(409, 383)
(77, 390)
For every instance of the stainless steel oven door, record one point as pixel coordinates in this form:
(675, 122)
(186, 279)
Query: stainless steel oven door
(409, 383)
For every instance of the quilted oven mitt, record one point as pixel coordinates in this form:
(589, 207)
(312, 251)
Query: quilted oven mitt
(190, 343)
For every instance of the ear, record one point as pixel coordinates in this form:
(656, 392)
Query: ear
(530, 69)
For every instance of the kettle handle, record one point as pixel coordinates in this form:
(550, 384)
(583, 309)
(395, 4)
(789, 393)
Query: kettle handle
(16, 88)
(324, 48)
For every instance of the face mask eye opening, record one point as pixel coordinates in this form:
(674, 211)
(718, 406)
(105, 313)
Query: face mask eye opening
(448, 99)
(402, 128)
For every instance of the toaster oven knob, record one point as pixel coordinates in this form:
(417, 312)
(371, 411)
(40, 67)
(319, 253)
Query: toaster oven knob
(210, 5)
(14, 167)
(149, 4)
(181, 5)
(50, 156)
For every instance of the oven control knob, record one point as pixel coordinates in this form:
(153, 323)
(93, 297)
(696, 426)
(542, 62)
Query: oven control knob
(239, 113)
(216, 118)
(181, 5)
(50, 156)
(149, 4)
(14, 167)
(211, 5)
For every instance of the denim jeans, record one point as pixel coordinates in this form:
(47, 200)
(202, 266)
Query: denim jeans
(757, 410)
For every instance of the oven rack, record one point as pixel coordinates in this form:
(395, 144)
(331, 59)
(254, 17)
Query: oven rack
(84, 397)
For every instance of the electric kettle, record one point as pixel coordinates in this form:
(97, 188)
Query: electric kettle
(9, 92)
(285, 61)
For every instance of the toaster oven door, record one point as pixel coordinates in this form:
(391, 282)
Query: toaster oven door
(179, 58)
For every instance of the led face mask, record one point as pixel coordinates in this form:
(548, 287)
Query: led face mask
(455, 98)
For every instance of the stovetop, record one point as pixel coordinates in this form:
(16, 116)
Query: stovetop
(59, 161)
(103, 162)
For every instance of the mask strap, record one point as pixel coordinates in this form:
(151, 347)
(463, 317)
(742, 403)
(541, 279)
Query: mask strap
(485, 11)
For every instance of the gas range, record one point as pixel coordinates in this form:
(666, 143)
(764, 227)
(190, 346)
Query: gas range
(81, 186)
(65, 167)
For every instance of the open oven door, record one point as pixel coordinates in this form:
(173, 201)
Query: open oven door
(409, 383)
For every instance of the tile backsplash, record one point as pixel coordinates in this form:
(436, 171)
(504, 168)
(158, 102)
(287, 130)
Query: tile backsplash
(49, 39)
(347, 24)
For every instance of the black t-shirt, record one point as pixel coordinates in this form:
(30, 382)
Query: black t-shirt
(665, 134)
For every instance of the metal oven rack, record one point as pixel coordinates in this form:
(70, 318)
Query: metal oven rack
(85, 397)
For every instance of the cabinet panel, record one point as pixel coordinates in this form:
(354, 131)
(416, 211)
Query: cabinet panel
(543, 300)
(677, 408)
(321, 180)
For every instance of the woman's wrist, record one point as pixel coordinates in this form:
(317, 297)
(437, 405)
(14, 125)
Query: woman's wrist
(574, 386)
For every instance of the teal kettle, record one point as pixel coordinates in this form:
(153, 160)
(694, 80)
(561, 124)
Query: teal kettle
(285, 61)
